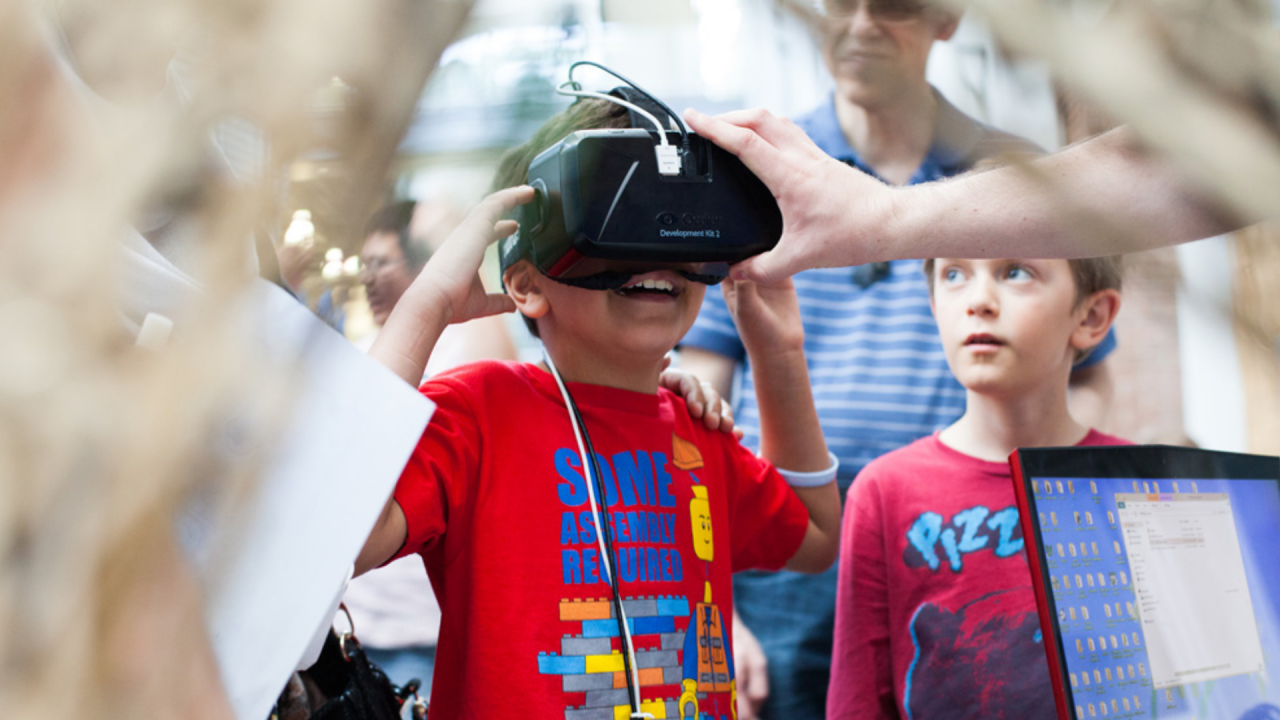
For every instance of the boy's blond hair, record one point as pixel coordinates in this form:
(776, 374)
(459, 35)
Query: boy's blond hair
(585, 114)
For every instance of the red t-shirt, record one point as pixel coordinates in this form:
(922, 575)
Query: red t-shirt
(935, 615)
(498, 509)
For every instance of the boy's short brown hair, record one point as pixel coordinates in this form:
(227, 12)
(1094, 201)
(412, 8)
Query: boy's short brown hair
(1090, 276)
(585, 114)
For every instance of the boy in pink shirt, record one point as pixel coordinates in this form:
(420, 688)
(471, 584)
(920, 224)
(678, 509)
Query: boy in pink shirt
(935, 615)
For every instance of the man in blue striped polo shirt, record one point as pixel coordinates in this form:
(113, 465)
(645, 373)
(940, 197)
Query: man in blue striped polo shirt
(880, 378)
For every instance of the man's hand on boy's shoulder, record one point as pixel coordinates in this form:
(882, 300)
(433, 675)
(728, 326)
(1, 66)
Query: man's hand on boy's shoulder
(701, 399)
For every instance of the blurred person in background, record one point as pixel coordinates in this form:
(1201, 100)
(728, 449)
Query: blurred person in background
(880, 377)
(295, 263)
(389, 260)
(398, 240)
(394, 609)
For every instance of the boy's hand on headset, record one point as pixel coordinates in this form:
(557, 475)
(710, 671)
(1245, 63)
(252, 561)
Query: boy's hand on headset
(454, 269)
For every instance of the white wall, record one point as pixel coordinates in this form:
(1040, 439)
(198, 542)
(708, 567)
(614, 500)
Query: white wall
(1016, 97)
(1214, 409)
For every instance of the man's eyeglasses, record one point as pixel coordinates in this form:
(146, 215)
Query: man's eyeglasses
(889, 10)
(373, 266)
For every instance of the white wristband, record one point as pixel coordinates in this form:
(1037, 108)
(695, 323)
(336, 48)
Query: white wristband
(812, 479)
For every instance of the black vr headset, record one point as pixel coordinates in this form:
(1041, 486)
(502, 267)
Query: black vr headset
(640, 195)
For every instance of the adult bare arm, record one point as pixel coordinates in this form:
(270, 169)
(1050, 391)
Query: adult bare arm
(1102, 196)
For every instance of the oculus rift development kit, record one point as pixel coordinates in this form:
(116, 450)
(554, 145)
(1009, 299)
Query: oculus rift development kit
(642, 195)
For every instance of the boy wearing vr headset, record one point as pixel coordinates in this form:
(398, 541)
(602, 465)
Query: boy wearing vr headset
(582, 535)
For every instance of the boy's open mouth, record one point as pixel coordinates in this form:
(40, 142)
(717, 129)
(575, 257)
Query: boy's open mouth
(649, 286)
(633, 279)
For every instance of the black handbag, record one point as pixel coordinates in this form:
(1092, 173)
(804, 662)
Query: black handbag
(354, 688)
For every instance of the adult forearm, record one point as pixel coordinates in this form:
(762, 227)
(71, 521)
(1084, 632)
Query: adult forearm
(1100, 197)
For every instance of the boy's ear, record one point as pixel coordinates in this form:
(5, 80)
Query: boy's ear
(1094, 317)
(524, 285)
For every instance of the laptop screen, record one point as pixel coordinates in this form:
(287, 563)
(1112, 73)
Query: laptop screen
(1158, 572)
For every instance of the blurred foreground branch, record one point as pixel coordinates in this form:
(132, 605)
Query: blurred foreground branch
(1197, 81)
(106, 141)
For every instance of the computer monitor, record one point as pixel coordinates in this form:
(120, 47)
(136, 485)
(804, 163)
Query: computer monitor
(1157, 575)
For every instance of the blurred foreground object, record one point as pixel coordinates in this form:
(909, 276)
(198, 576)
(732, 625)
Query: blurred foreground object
(1197, 82)
(1198, 86)
(130, 479)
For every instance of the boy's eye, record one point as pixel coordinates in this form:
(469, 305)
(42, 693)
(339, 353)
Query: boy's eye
(1017, 272)
(952, 275)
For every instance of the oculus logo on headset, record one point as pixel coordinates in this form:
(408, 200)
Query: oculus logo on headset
(689, 225)
(670, 219)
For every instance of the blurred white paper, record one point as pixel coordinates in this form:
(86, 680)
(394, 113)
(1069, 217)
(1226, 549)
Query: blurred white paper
(351, 431)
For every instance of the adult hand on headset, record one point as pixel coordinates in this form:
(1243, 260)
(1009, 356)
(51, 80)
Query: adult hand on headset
(830, 211)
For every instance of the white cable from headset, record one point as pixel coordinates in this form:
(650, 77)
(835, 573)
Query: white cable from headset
(662, 132)
(595, 516)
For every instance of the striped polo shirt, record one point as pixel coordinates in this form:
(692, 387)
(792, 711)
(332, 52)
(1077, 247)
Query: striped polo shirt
(880, 378)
